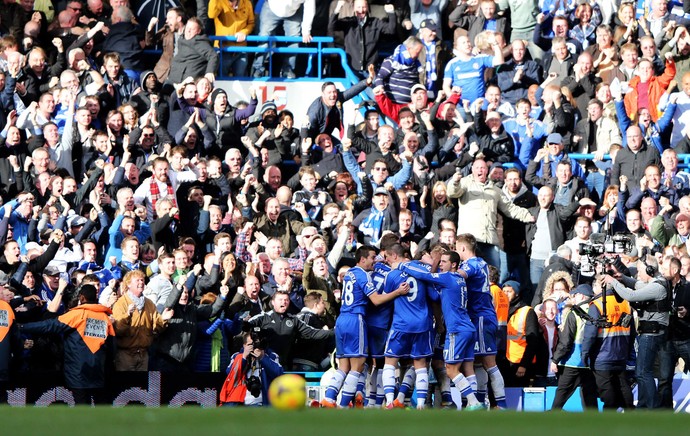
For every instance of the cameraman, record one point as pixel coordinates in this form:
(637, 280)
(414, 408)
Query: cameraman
(251, 372)
(649, 296)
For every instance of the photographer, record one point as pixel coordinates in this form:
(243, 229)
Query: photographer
(649, 296)
(251, 372)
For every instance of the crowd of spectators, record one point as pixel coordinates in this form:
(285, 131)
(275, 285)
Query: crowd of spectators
(170, 196)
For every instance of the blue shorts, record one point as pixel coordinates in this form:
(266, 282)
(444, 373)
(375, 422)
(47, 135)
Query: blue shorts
(486, 338)
(376, 336)
(413, 345)
(350, 336)
(459, 347)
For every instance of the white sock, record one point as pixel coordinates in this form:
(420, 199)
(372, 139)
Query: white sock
(422, 384)
(371, 395)
(334, 385)
(465, 389)
(380, 393)
(388, 379)
(497, 385)
(349, 388)
(482, 382)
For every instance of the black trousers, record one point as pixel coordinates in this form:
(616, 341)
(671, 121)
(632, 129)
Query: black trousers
(87, 397)
(568, 380)
(614, 389)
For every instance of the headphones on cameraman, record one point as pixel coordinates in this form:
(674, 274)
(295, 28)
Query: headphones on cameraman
(650, 270)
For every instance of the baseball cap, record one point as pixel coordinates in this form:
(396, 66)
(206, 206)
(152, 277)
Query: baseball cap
(681, 216)
(51, 270)
(583, 289)
(381, 191)
(429, 24)
(554, 138)
(76, 221)
(417, 87)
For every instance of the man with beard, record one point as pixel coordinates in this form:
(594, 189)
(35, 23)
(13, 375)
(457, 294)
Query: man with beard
(159, 185)
(225, 120)
(262, 132)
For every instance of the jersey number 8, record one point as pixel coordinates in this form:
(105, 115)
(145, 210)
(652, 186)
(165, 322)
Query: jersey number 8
(348, 295)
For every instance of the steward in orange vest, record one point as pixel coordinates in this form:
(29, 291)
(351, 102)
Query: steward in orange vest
(87, 332)
(523, 338)
(10, 344)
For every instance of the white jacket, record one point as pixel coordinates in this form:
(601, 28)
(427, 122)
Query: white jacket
(288, 8)
(478, 204)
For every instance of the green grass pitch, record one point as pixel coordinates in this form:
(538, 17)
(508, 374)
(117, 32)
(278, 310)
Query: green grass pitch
(194, 421)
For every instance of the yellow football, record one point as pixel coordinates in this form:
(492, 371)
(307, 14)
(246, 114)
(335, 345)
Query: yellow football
(288, 392)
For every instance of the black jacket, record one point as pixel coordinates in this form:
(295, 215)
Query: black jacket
(177, 340)
(282, 330)
(195, 57)
(632, 164)
(514, 236)
(558, 217)
(499, 149)
(361, 41)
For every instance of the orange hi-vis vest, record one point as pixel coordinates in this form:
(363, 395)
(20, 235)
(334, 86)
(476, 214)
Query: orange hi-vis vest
(614, 311)
(501, 304)
(92, 322)
(6, 319)
(517, 342)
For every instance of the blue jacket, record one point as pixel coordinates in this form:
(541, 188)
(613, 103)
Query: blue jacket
(20, 225)
(657, 134)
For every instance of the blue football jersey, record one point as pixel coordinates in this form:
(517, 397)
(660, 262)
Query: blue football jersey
(379, 316)
(357, 286)
(451, 286)
(469, 75)
(411, 312)
(479, 301)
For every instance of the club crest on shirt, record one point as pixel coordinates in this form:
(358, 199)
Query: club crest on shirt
(475, 66)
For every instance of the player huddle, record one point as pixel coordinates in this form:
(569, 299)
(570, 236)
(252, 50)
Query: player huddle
(409, 315)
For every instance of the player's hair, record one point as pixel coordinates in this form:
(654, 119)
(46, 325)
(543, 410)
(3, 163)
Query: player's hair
(453, 257)
(396, 249)
(468, 240)
(363, 252)
(388, 240)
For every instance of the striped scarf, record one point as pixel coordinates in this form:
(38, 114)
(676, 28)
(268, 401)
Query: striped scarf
(430, 65)
(156, 195)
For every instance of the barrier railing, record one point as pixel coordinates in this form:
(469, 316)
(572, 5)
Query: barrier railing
(272, 47)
